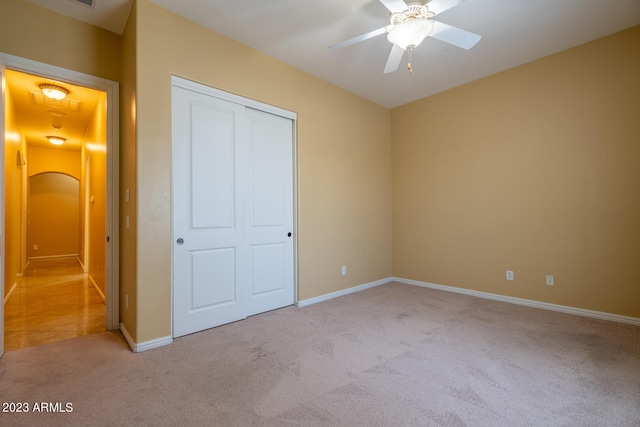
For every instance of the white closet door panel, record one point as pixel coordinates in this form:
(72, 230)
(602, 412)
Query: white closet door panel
(268, 274)
(214, 279)
(212, 167)
(269, 174)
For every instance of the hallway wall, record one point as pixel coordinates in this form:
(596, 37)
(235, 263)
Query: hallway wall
(96, 153)
(53, 216)
(41, 159)
(53, 207)
(15, 147)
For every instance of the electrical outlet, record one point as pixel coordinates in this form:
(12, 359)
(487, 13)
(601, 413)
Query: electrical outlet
(509, 274)
(550, 281)
(35, 247)
(344, 270)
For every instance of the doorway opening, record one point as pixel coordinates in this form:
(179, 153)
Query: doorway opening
(60, 209)
(59, 289)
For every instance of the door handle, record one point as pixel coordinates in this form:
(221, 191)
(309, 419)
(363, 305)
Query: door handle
(180, 241)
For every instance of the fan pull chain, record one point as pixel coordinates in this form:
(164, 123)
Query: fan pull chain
(410, 61)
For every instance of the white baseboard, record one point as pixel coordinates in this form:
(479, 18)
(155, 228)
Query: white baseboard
(146, 345)
(343, 292)
(525, 302)
(97, 288)
(496, 297)
(159, 342)
(54, 256)
(11, 291)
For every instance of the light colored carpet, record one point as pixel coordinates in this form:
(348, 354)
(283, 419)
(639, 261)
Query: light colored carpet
(394, 355)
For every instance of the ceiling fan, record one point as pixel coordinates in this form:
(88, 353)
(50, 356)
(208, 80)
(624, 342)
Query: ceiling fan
(410, 24)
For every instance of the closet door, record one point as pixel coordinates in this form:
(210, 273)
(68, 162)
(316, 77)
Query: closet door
(210, 270)
(232, 211)
(270, 211)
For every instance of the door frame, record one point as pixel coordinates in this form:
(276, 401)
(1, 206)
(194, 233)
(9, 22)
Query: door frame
(256, 105)
(112, 252)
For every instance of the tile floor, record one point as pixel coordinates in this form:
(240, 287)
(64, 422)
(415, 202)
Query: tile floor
(53, 301)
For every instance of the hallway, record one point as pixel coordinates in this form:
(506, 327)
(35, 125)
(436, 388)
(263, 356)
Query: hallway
(54, 301)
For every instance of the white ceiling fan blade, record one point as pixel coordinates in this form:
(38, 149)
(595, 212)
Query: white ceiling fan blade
(439, 6)
(453, 35)
(360, 38)
(394, 59)
(395, 5)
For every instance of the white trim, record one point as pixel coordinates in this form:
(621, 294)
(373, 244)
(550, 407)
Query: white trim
(55, 257)
(486, 295)
(146, 345)
(236, 99)
(296, 207)
(343, 292)
(11, 291)
(97, 288)
(526, 302)
(112, 90)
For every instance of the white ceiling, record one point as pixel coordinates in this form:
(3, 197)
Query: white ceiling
(108, 14)
(299, 33)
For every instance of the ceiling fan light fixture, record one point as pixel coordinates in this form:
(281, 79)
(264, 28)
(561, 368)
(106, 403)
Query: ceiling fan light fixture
(410, 33)
(56, 140)
(54, 91)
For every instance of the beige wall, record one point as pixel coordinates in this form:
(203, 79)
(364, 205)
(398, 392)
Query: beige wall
(58, 234)
(53, 215)
(14, 150)
(95, 155)
(36, 33)
(344, 173)
(535, 169)
(42, 159)
(128, 244)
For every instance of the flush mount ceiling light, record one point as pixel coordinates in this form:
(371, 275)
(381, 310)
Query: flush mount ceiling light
(54, 91)
(56, 140)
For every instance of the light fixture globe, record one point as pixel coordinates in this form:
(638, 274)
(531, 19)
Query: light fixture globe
(410, 33)
(56, 140)
(54, 91)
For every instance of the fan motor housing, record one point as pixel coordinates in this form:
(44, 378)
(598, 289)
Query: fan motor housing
(414, 11)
